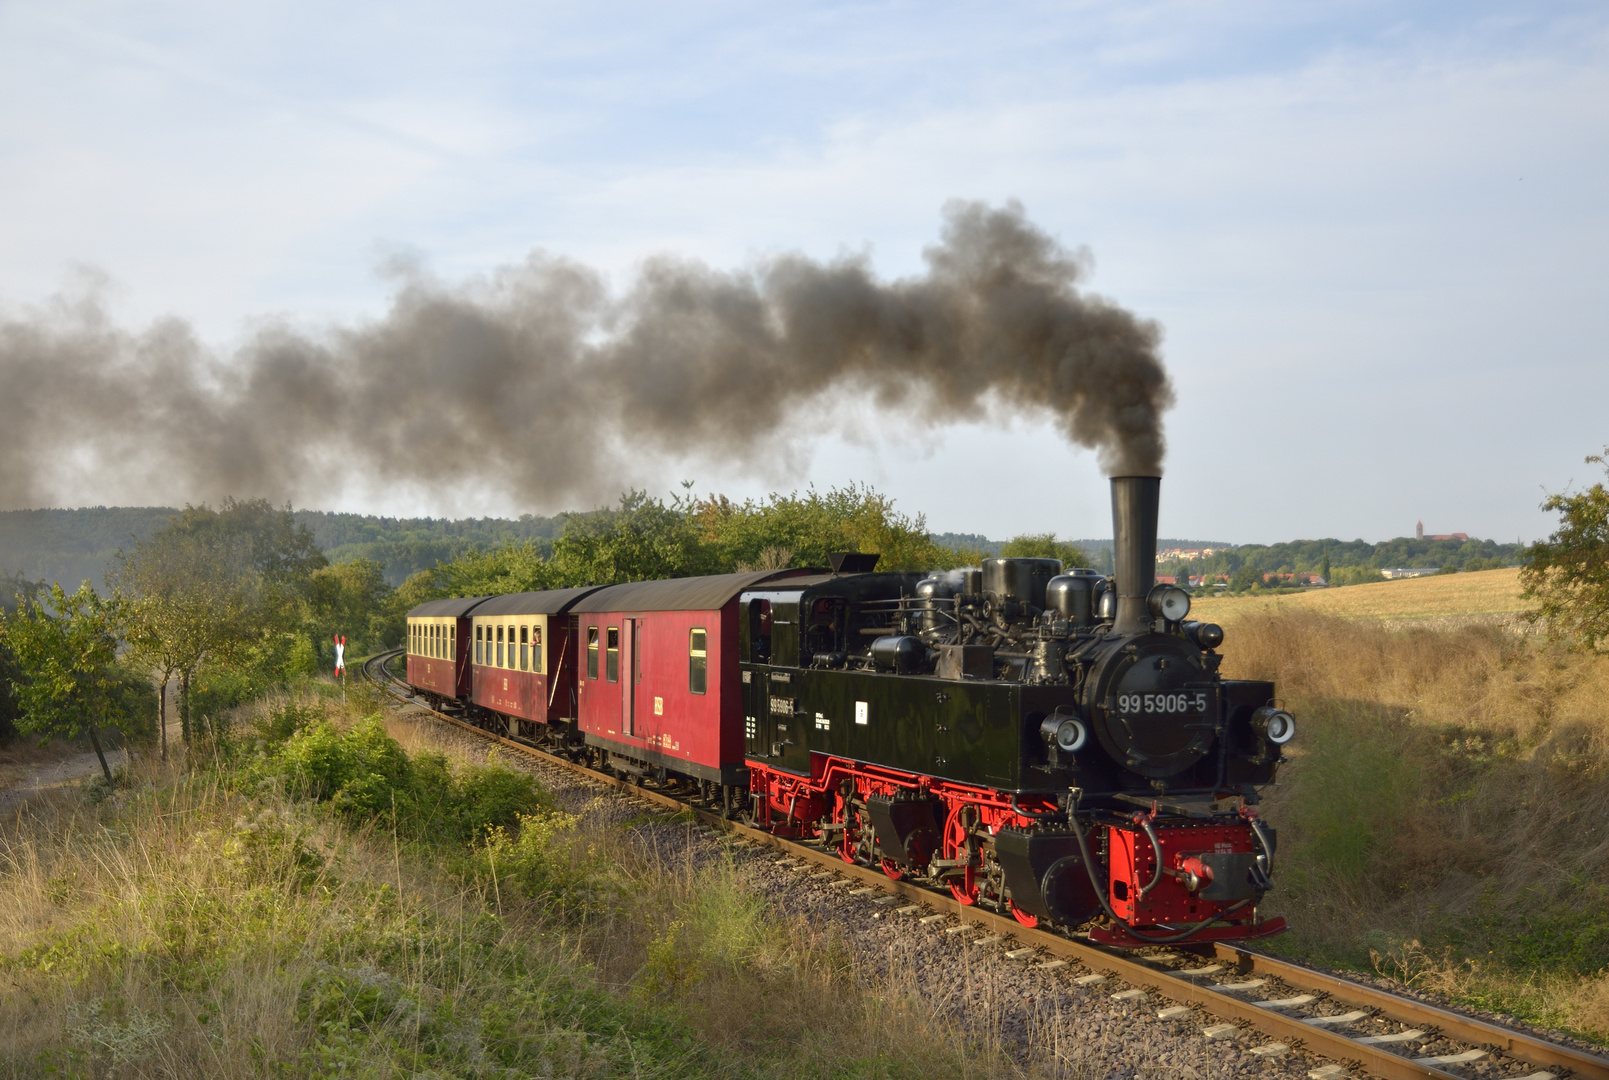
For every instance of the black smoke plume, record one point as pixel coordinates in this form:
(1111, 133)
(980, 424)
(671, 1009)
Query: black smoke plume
(541, 385)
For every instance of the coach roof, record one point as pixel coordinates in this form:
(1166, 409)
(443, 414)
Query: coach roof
(678, 594)
(547, 602)
(456, 607)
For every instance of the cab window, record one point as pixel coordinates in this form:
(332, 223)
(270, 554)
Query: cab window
(592, 652)
(612, 660)
(697, 660)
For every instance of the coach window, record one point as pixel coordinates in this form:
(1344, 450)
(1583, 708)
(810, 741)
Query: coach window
(612, 661)
(536, 648)
(525, 648)
(697, 660)
(452, 642)
(592, 652)
(479, 658)
(499, 646)
(433, 629)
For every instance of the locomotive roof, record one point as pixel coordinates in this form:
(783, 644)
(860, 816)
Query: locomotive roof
(457, 606)
(812, 578)
(546, 602)
(678, 594)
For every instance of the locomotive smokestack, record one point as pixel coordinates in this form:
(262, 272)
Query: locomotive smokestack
(1134, 523)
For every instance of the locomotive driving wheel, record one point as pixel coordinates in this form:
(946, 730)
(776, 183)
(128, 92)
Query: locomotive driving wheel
(959, 845)
(1030, 921)
(848, 816)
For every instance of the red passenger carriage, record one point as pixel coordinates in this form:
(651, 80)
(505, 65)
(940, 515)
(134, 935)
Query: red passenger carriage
(438, 647)
(524, 658)
(660, 689)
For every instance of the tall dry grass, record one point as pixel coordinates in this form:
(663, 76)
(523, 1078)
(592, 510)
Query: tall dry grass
(1445, 814)
(204, 922)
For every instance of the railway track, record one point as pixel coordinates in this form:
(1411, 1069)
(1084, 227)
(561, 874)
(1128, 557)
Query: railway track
(1356, 1027)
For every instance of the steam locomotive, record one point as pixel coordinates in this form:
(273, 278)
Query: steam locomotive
(1039, 740)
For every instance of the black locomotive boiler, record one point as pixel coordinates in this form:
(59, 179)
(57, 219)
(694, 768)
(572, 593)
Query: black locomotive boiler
(1042, 740)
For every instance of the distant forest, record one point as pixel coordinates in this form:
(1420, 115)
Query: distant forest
(73, 545)
(70, 546)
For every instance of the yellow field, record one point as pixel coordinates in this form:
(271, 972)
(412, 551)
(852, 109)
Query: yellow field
(1451, 599)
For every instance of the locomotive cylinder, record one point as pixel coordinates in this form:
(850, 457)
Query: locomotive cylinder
(903, 653)
(1134, 523)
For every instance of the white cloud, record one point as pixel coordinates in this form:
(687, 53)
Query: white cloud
(1375, 246)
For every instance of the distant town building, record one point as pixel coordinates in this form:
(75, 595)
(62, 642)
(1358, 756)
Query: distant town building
(1293, 579)
(1188, 553)
(1404, 571)
(1419, 534)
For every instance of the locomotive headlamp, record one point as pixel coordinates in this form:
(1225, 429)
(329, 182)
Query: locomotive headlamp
(1275, 725)
(1168, 602)
(1066, 733)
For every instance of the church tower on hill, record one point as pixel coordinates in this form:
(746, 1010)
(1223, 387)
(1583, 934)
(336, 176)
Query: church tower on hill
(1419, 531)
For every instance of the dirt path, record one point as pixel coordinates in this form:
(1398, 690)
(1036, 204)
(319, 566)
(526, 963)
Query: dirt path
(19, 783)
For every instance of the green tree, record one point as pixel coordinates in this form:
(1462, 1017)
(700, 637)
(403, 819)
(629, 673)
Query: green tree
(1046, 546)
(352, 598)
(225, 587)
(66, 654)
(800, 530)
(1568, 573)
(13, 592)
(1248, 575)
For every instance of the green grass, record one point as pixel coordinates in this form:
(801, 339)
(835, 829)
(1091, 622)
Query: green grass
(310, 900)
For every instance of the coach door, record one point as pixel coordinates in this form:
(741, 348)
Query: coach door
(633, 673)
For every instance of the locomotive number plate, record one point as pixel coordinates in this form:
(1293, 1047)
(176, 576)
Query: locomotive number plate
(1188, 702)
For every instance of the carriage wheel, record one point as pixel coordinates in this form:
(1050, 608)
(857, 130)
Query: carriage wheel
(956, 835)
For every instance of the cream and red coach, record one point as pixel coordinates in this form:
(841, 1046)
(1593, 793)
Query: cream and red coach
(524, 658)
(660, 688)
(438, 647)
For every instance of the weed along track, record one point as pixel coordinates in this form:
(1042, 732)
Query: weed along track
(1290, 1019)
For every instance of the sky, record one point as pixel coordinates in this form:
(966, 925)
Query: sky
(1371, 232)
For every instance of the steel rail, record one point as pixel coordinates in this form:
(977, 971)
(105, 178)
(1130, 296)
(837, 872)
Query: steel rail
(1288, 1029)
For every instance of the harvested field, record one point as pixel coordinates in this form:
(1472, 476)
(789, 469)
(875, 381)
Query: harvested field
(1445, 601)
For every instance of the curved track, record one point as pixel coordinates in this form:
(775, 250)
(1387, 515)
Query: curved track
(1381, 1033)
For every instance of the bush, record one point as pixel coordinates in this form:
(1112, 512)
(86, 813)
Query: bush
(538, 862)
(366, 775)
